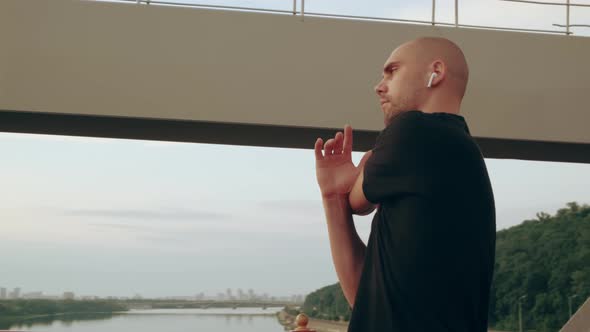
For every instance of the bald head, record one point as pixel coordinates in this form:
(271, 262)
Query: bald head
(409, 69)
(427, 50)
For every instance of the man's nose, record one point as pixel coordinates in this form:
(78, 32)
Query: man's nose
(380, 88)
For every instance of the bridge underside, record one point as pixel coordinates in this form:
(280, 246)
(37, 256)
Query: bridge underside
(199, 75)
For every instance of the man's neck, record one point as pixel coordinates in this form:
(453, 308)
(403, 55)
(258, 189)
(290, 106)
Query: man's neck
(442, 105)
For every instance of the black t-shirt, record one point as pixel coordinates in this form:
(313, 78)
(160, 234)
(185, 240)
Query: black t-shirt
(430, 255)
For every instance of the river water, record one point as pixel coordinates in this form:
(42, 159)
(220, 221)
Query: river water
(160, 320)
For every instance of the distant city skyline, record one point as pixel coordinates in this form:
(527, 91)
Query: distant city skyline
(251, 295)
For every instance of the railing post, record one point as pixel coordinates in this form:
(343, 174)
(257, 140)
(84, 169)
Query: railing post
(456, 13)
(433, 10)
(567, 17)
(301, 320)
(294, 7)
(302, 10)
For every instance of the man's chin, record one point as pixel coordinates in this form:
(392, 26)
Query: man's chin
(387, 119)
(388, 115)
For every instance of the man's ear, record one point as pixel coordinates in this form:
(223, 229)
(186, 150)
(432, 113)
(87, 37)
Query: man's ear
(439, 68)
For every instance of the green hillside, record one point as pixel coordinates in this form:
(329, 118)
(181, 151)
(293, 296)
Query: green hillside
(547, 259)
(327, 303)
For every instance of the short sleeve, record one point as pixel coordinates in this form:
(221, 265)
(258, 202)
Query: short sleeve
(398, 165)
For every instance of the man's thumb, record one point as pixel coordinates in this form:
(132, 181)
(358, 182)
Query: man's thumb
(364, 159)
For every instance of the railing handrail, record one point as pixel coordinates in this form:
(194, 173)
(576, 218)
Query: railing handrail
(550, 3)
(432, 22)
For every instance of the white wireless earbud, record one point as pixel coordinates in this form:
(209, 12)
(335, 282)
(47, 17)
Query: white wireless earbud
(431, 78)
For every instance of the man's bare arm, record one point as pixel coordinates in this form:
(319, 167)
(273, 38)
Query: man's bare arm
(348, 251)
(358, 202)
(336, 175)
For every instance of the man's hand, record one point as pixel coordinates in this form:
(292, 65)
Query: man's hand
(336, 174)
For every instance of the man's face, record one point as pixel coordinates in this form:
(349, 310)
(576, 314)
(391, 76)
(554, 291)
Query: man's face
(402, 86)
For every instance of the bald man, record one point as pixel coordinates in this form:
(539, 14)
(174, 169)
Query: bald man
(429, 260)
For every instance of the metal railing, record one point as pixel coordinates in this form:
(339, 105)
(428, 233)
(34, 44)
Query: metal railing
(302, 13)
(567, 5)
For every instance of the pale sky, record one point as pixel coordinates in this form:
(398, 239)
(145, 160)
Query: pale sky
(119, 217)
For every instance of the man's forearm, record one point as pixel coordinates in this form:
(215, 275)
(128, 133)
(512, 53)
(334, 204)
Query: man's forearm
(348, 251)
(357, 200)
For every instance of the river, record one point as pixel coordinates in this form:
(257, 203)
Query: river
(159, 320)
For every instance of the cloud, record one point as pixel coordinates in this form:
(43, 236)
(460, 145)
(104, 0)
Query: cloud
(264, 220)
(147, 214)
(125, 227)
(297, 207)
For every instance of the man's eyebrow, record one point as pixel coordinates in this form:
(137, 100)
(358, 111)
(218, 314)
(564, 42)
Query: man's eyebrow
(389, 65)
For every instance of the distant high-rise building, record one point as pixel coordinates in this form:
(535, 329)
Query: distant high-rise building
(251, 294)
(68, 295)
(229, 296)
(15, 293)
(300, 298)
(2, 293)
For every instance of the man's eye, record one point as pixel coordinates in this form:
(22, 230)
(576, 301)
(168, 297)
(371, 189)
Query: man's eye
(389, 71)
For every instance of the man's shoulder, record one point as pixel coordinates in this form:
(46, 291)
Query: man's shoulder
(418, 120)
(403, 119)
(419, 126)
(401, 125)
(427, 136)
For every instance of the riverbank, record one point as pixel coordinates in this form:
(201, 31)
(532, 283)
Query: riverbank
(320, 325)
(25, 321)
(28, 307)
(24, 311)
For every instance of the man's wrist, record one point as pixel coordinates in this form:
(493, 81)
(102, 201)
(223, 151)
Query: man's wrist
(337, 201)
(335, 197)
